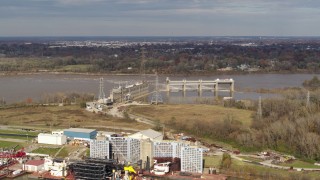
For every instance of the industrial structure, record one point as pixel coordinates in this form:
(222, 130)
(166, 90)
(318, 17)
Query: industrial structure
(156, 97)
(200, 85)
(102, 99)
(80, 133)
(146, 152)
(56, 167)
(10, 154)
(147, 145)
(101, 90)
(129, 91)
(92, 169)
(99, 149)
(55, 139)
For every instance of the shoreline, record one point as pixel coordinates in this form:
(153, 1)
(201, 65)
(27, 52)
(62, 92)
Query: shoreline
(4, 74)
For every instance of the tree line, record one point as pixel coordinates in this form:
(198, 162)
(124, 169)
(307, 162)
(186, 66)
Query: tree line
(184, 58)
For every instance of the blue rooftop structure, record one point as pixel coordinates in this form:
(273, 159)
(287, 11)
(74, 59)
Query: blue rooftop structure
(80, 133)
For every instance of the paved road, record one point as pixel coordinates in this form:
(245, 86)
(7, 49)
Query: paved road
(59, 151)
(142, 120)
(267, 163)
(116, 113)
(114, 127)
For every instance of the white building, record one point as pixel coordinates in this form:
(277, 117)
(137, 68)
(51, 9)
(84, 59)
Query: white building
(191, 159)
(55, 139)
(99, 149)
(33, 165)
(148, 134)
(56, 168)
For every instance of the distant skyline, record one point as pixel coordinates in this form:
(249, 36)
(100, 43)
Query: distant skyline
(159, 17)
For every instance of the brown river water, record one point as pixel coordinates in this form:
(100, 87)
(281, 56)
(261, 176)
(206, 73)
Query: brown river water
(17, 88)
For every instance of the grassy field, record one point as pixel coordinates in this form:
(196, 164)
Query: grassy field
(250, 171)
(212, 161)
(11, 131)
(247, 170)
(76, 68)
(46, 117)
(15, 137)
(52, 151)
(300, 164)
(194, 112)
(7, 144)
(28, 135)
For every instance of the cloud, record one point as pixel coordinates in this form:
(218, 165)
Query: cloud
(78, 2)
(142, 16)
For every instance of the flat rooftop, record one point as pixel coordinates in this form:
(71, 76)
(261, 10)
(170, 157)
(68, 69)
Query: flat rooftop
(80, 130)
(50, 135)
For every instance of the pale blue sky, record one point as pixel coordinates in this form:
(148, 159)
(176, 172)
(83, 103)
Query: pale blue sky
(160, 17)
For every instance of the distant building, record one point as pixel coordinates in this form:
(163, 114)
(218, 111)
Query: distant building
(99, 149)
(148, 134)
(225, 69)
(55, 139)
(80, 133)
(33, 165)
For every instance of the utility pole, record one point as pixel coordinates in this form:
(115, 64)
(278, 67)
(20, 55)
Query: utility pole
(142, 64)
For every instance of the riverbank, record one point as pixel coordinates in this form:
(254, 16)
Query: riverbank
(197, 73)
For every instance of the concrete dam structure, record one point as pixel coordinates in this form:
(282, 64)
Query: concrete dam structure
(200, 85)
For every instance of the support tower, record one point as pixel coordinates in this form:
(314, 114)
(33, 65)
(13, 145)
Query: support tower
(156, 97)
(101, 91)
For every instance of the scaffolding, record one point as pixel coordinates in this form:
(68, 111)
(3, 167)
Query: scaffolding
(125, 149)
(167, 149)
(99, 149)
(101, 90)
(179, 146)
(134, 150)
(191, 159)
(119, 148)
(156, 97)
(94, 169)
(163, 149)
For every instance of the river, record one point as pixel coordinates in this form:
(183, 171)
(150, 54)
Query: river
(17, 88)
